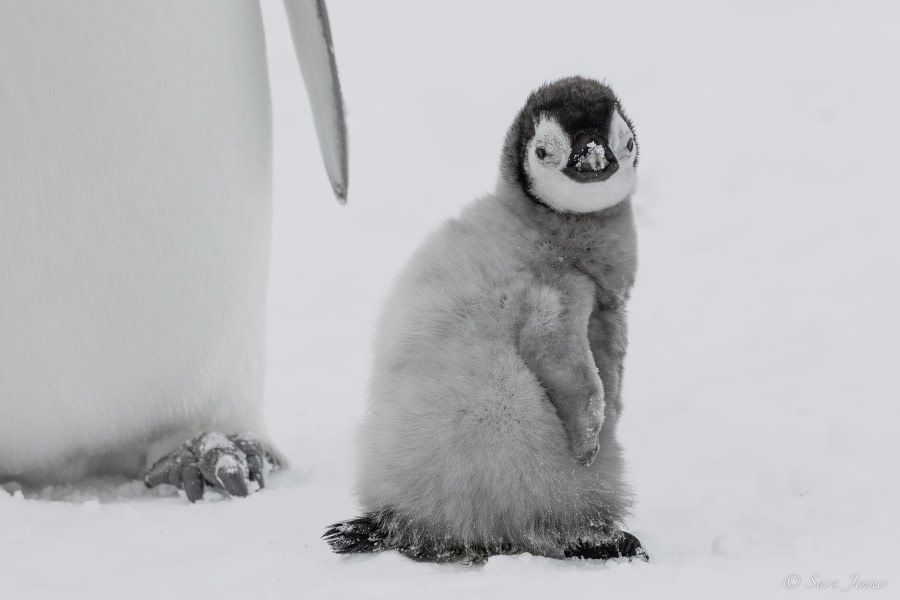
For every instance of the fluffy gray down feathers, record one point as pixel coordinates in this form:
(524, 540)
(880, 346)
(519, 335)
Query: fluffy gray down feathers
(503, 317)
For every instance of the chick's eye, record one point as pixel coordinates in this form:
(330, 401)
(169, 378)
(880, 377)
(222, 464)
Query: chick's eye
(630, 145)
(541, 153)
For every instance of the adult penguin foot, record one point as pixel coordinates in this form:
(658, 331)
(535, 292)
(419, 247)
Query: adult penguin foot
(234, 465)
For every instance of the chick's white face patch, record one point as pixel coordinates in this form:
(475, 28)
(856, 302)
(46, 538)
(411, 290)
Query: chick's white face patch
(550, 137)
(619, 137)
(547, 155)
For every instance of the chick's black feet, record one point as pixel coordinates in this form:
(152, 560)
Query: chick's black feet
(621, 545)
(232, 464)
(362, 534)
(368, 533)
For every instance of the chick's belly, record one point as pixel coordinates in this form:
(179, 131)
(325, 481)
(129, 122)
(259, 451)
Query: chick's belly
(480, 425)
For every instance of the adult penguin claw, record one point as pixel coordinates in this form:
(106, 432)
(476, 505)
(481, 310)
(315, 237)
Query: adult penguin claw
(256, 458)
(192, 483)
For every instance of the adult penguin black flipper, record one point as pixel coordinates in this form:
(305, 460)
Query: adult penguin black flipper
(311, 33)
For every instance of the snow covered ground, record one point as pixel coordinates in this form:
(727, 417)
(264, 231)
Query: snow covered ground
(761, 386)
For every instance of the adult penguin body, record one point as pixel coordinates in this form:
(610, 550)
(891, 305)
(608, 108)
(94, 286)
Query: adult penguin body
(135, 216)
(498, 361)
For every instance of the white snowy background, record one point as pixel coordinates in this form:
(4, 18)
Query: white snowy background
(761, 385)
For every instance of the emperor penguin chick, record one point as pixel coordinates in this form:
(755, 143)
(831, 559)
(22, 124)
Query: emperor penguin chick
(495, 396)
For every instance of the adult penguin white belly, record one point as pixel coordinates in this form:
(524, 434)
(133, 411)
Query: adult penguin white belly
(135, 213)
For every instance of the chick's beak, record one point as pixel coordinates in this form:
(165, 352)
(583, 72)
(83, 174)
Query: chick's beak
(591, 153)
